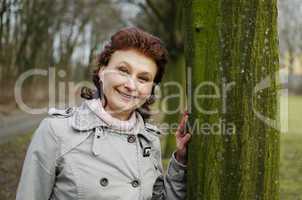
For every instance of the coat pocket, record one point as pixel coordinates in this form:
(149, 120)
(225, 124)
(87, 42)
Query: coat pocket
(158, 190)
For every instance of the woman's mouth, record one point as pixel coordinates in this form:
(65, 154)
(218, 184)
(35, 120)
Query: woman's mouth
(126, 96)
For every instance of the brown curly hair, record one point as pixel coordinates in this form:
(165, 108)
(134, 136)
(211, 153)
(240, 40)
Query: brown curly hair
(130, 38)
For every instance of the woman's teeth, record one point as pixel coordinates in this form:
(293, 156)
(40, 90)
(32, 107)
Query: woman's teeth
(127, 96)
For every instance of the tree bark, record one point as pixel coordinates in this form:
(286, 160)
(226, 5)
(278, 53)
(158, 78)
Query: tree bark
(230, 47)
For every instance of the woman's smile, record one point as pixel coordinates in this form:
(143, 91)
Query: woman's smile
(125, 96)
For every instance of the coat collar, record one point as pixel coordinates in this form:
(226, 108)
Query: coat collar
(84, 119)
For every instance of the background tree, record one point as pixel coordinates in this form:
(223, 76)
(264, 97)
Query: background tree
(62, 34)
(230, 41)
(290, 31)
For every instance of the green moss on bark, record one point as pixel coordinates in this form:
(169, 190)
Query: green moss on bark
(234, 41)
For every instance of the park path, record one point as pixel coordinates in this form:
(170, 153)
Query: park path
(17, 123)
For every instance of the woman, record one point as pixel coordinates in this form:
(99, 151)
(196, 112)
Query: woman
(105, 149)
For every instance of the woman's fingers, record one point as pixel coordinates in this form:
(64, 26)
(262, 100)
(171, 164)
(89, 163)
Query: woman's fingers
(186, 138)
(182, 125)
(182, 142)
(182, 138)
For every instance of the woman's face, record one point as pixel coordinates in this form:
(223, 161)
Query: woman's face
(127, 80)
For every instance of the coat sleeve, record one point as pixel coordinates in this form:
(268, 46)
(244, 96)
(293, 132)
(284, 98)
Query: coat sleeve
(38, 173)
(173, 181)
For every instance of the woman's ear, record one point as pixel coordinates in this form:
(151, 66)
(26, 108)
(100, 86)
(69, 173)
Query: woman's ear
(101, 72)
(155, 87)
(155, 92)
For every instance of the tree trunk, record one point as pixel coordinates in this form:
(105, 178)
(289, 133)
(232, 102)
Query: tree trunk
(231, 46)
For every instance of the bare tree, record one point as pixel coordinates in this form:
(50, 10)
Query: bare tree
(43, 33)
(290, 30)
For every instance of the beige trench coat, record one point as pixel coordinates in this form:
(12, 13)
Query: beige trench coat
(74, 155)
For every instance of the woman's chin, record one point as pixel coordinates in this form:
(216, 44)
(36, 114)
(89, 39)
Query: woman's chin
(124, 107)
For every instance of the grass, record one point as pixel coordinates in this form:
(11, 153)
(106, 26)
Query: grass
(291, 167)
(291, 152)
(12, 154)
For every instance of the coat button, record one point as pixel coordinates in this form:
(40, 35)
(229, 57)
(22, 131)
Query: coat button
(131, 138)
(135, 183)
(104, 182)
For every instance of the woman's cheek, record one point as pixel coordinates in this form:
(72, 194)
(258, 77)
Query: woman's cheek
(145, 92)
(115, 80)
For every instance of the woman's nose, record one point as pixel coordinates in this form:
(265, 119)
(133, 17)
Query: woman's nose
(130, 84)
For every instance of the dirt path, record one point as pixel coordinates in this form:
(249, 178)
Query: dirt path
(17, 123)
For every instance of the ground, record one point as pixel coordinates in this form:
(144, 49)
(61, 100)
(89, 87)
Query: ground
(11, 155)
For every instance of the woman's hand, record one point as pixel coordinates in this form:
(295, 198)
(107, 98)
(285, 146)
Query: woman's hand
(182, 140)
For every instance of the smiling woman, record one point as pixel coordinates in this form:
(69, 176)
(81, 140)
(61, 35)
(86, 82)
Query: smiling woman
(128, 81)
(105, 148)
(141, 58)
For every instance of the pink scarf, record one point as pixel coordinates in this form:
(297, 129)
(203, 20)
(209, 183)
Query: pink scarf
(115, 123)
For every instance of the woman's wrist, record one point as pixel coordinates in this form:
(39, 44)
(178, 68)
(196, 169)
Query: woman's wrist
(180, 158)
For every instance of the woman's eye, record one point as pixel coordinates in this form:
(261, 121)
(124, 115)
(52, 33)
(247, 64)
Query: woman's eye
(122, 69)
(143, 79)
